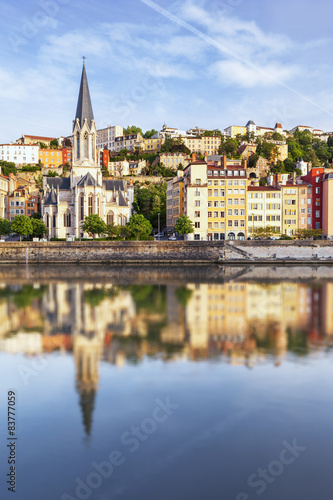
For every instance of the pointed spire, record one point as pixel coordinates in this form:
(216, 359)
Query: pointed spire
(84, 107)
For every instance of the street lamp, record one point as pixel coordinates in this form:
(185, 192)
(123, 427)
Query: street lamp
(158, 225)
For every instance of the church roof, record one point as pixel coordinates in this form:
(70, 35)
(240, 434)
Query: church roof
(51, 198)
(84, 107)
(122, 202)
(111, 185)
(64, 183)
(250, 122)
(87, 180)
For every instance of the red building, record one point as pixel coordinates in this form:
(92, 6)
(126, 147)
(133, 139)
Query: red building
(103, 157)
(315, 178)
(66, 156)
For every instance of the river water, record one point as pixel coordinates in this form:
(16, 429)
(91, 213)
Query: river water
(167, 387)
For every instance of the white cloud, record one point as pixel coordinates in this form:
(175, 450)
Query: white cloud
(236, 73)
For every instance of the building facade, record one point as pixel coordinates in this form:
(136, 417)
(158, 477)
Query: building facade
(21, 202)
(106, 137)
(20, 154)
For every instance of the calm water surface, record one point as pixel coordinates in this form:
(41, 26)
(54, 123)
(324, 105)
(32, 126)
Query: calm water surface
(170, 391)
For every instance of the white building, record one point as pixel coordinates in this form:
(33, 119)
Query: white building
(4, 191)
(172, 132)
(302, 165)
(106, 137)
(20, 154)
(68, 200)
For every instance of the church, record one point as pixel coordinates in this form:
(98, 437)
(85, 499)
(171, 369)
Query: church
(68, 200)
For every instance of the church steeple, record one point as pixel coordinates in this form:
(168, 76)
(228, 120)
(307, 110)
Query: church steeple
(84, 107)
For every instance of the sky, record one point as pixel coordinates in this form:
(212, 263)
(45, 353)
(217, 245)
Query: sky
(205, 63)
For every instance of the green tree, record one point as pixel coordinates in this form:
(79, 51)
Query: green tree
(253, 160)
(266, 232)
(8, 167)
(229, 147)
(132, 129)
(277, 137)
(139, 226)
(38, 228)
(289, 165)
(150, 200)
(42, 145)
(52, 174)
(93, 225)
(330, 141)
(4, 227)
(54, 143)
(311, 156)
(149, 133)
(112, 230)
(183, 295)
(22, 225)
(39, 180)
(184, 225)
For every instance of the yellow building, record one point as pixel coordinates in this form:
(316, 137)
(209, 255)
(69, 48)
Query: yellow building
(51, 158)
(151, 145)
(173, 160)
(175, 199)
(264, 206)
(235, 130)
(290, 215)
(202, 145)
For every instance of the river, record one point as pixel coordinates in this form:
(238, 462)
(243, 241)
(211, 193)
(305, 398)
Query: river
(167, 385)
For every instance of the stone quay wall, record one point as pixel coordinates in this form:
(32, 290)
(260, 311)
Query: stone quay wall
(169, 252)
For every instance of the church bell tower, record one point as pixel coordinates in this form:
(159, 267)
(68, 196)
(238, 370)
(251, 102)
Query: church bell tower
(84, 127)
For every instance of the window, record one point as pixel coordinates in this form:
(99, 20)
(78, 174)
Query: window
(229, 223)
(317, 214)
(198, 182)
(216, 204)
(210, 204)
(229, 191)
(236, 183)
(210, 214)
(250, 218)
(242, 201)
(309, 210)
(236, 201)
(197, 203)
(302, 210)
(216, 192)
(229, 182)
(317, 203)
(197, 225)
(236, 223)
(242, 223)
(197, 237)
(67, 219)
(236, 212)
(222, 192)
(242, 212)
(222, 214)
(216, 183)
(260, 218)
(216, 225)
(229, 212)
(230, 201)
(196, 214)
(90, 204)
(81, 207)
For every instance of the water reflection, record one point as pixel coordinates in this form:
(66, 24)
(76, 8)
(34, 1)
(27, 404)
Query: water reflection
(239, 322)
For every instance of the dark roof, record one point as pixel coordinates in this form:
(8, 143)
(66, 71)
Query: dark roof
(51, 198)
(111, 185)
(250, 122)
(122, 202)
(87, 180)
(262, 188)
(84, 107)
(64, 183)
(214, 157)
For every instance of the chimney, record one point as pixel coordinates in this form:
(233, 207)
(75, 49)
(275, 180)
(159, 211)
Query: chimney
(194, 156)
(244, 163)
(224, 161)
(205, 156)
(294, 177)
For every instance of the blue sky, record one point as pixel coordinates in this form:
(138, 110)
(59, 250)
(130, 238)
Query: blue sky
(185, 63)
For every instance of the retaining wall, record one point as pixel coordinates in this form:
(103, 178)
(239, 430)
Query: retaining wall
(166, 252)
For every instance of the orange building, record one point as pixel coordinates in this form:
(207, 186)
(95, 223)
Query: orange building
(21, 202)
(51, 158)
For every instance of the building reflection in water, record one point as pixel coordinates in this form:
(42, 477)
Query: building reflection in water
(243, 323)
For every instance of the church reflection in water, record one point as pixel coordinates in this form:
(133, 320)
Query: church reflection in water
(241, 323)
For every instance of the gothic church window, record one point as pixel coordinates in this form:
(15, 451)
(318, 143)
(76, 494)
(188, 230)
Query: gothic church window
(85, 142)
(90, 204)
(81, 207)
(67, 219)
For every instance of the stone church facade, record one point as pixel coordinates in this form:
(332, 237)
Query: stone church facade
(68, 200)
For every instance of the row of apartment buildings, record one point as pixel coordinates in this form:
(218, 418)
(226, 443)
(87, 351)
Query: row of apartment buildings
(223, 201)
(32, 154)
(17, 197)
